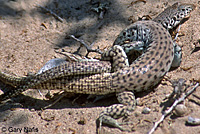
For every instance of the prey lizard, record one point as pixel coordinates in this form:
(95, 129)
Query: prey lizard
(92, 77)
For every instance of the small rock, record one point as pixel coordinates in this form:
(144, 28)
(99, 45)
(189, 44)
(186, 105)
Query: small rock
(138, 102)
(146, 110)
(180, 110)
(193, 121)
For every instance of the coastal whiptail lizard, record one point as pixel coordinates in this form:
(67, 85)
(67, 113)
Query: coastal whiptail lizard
(96, 77)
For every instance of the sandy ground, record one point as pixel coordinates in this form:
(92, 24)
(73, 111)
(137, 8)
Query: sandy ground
(30, 36)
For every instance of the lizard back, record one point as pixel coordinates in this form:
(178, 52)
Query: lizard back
(145, 71)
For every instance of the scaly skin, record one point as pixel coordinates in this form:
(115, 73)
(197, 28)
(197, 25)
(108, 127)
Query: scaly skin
(143, 73)
(146, 71)
(173, 13)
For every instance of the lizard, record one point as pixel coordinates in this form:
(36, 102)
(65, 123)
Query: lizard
(146, 71)
(169, 18)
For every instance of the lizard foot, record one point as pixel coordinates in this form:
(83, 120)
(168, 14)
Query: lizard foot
(111, 113)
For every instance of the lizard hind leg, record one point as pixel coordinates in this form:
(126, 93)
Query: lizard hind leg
(113, 112)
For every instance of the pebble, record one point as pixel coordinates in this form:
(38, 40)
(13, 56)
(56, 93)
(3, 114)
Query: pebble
(180, 110)
(193, 121)
(146, 110)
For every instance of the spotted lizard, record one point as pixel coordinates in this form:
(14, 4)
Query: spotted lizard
(96, 77)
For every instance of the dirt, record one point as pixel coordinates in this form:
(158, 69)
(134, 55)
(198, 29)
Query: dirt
(30, 36)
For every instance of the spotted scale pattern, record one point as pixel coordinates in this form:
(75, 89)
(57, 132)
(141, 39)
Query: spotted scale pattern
(175, 14)
(54, 78)
(152, 65)
(146, 71)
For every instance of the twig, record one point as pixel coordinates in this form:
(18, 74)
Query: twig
(63, 95)
(87, 46)
(51, 12)
(101, 9)
(179, 27)
(172, 107)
